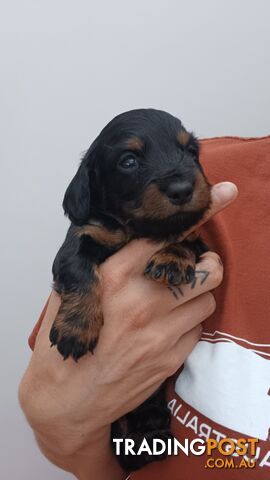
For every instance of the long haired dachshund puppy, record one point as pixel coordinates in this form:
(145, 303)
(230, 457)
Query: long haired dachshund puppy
(141, 177)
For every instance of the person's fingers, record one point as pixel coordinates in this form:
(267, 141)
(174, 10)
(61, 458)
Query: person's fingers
(169, 329)
(150, 298)
(222, 194)
(182, 349)
(187, 316)
(130, 259)
(208, 275)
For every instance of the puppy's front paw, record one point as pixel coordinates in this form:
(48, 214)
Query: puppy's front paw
(172, 265)
(71, 341)
(76, 328)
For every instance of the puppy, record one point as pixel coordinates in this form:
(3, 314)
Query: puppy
(141, 177)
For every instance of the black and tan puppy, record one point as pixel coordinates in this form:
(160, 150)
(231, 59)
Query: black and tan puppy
(141, 177)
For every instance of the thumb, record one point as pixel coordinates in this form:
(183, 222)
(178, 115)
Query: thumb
(222, 195)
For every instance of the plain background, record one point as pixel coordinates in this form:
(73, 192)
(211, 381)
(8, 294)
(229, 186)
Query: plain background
(68, 67)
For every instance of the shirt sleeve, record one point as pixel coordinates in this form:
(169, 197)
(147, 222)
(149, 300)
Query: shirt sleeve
(32, 337)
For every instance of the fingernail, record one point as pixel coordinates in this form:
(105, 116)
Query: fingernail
(225, 192)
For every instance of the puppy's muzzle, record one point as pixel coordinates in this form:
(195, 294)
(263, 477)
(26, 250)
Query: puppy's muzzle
(178, 191)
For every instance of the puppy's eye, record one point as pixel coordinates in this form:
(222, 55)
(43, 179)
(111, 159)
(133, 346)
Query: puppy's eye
(128, 161)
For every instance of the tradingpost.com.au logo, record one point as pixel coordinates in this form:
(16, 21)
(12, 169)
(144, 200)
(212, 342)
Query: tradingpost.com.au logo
(225, 450)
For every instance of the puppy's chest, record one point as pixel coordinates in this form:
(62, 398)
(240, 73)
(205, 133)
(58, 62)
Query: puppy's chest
(99, 242)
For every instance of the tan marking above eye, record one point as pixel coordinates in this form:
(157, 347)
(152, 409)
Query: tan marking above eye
(135, 143)
(183, 137)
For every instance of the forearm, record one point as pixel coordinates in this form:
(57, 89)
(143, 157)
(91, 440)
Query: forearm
(94, 462)
(86, 453)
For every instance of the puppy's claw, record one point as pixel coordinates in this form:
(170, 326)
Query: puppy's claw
(71, 346)
(170, 277)
(148, 268)
(158, 272)
(189, 274)
(53, 336)
(92, 345)
(170, 269)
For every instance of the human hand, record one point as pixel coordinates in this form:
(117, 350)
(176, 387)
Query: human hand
(147, 335)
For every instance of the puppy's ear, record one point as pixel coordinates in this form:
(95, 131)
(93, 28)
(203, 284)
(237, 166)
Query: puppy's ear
(76, 201)
(193, 145)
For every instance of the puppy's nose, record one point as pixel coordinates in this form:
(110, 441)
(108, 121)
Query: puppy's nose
(179, 192)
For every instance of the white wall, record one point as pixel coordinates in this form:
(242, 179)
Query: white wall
(67, 67)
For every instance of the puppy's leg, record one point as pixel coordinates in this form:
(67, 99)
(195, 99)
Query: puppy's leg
(149, 421)
(175, 263)
(76, 328)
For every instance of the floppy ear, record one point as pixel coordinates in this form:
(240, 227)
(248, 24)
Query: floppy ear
(76, 201)
(193, 145)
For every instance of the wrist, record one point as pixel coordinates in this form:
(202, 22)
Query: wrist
(97, 460)
(94, 460)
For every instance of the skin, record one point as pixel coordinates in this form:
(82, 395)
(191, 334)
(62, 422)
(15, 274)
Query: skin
(70, 406)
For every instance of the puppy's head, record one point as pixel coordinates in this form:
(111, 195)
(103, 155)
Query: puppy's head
(143, 169)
